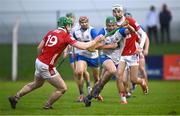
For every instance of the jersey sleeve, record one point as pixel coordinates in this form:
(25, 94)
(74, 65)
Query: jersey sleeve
(119, 35)
(122, 31)
(102, 31)
(133, 23)
(70, 40)
(74, 35)
(93, 33)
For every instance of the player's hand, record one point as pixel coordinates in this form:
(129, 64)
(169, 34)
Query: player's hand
(139, 50)
(125, 23)
(65, 55)
(96, 43)
(91, 49)
(99, 38)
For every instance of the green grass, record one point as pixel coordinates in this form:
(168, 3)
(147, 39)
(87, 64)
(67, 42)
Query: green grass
(164, 99)
(26, 58)
(161, 49)
(27, 55)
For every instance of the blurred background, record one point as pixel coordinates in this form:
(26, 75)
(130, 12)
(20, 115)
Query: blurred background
(33, 18)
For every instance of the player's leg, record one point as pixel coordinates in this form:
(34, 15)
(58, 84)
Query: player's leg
(136, 80)
(108, 70)
(87, 79)
(127, 82)
(119, 80)
(95, 71)
(61, 88)
(142, 68)
(105, 76)
(73, 63)
(86, 76)
(81, 68)
(38, 82)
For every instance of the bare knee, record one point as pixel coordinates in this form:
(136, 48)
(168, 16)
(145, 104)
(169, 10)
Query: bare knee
(113, 71)
(62, 90)
(79, 73)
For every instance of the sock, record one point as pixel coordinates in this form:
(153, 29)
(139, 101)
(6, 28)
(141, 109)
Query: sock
(123, 96)
(87, 84)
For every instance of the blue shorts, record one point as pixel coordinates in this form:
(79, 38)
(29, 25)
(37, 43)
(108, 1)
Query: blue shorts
(104, 58)
(71, 59)
(92, 62)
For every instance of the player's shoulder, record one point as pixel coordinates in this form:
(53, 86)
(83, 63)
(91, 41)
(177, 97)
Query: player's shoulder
(130, 19)
(103, 30)
(91, 27)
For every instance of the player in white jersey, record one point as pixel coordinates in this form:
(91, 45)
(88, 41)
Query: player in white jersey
(73, 53)
(111, 53)
(86, 33)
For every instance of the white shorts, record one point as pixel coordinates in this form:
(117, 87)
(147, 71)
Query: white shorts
(42, 70)
(131, 60)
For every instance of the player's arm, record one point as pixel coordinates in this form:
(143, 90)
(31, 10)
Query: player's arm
(125, 24)
(40, 46)
(108, 46)
(66, 51)
(143, 36)
(87, 45)
(146, 46)
(129, 29)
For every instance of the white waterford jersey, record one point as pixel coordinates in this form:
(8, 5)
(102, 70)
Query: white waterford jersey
(74, 28)
(85, 36)
(114, 54)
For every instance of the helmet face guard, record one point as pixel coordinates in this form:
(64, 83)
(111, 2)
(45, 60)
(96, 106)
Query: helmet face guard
(63, 22)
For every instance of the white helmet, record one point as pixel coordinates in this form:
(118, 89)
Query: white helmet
(117, 6)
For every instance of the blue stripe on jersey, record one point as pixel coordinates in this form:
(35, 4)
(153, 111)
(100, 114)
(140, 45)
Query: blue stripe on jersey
(74, 35)
(102, 31)
(122, 31)
(93, 33)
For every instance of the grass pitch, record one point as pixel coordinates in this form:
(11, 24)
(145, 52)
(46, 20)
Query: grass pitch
(164, 99)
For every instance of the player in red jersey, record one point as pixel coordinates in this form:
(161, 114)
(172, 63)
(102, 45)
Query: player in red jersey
(142, 55)
(130, 54)
(50, 49)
